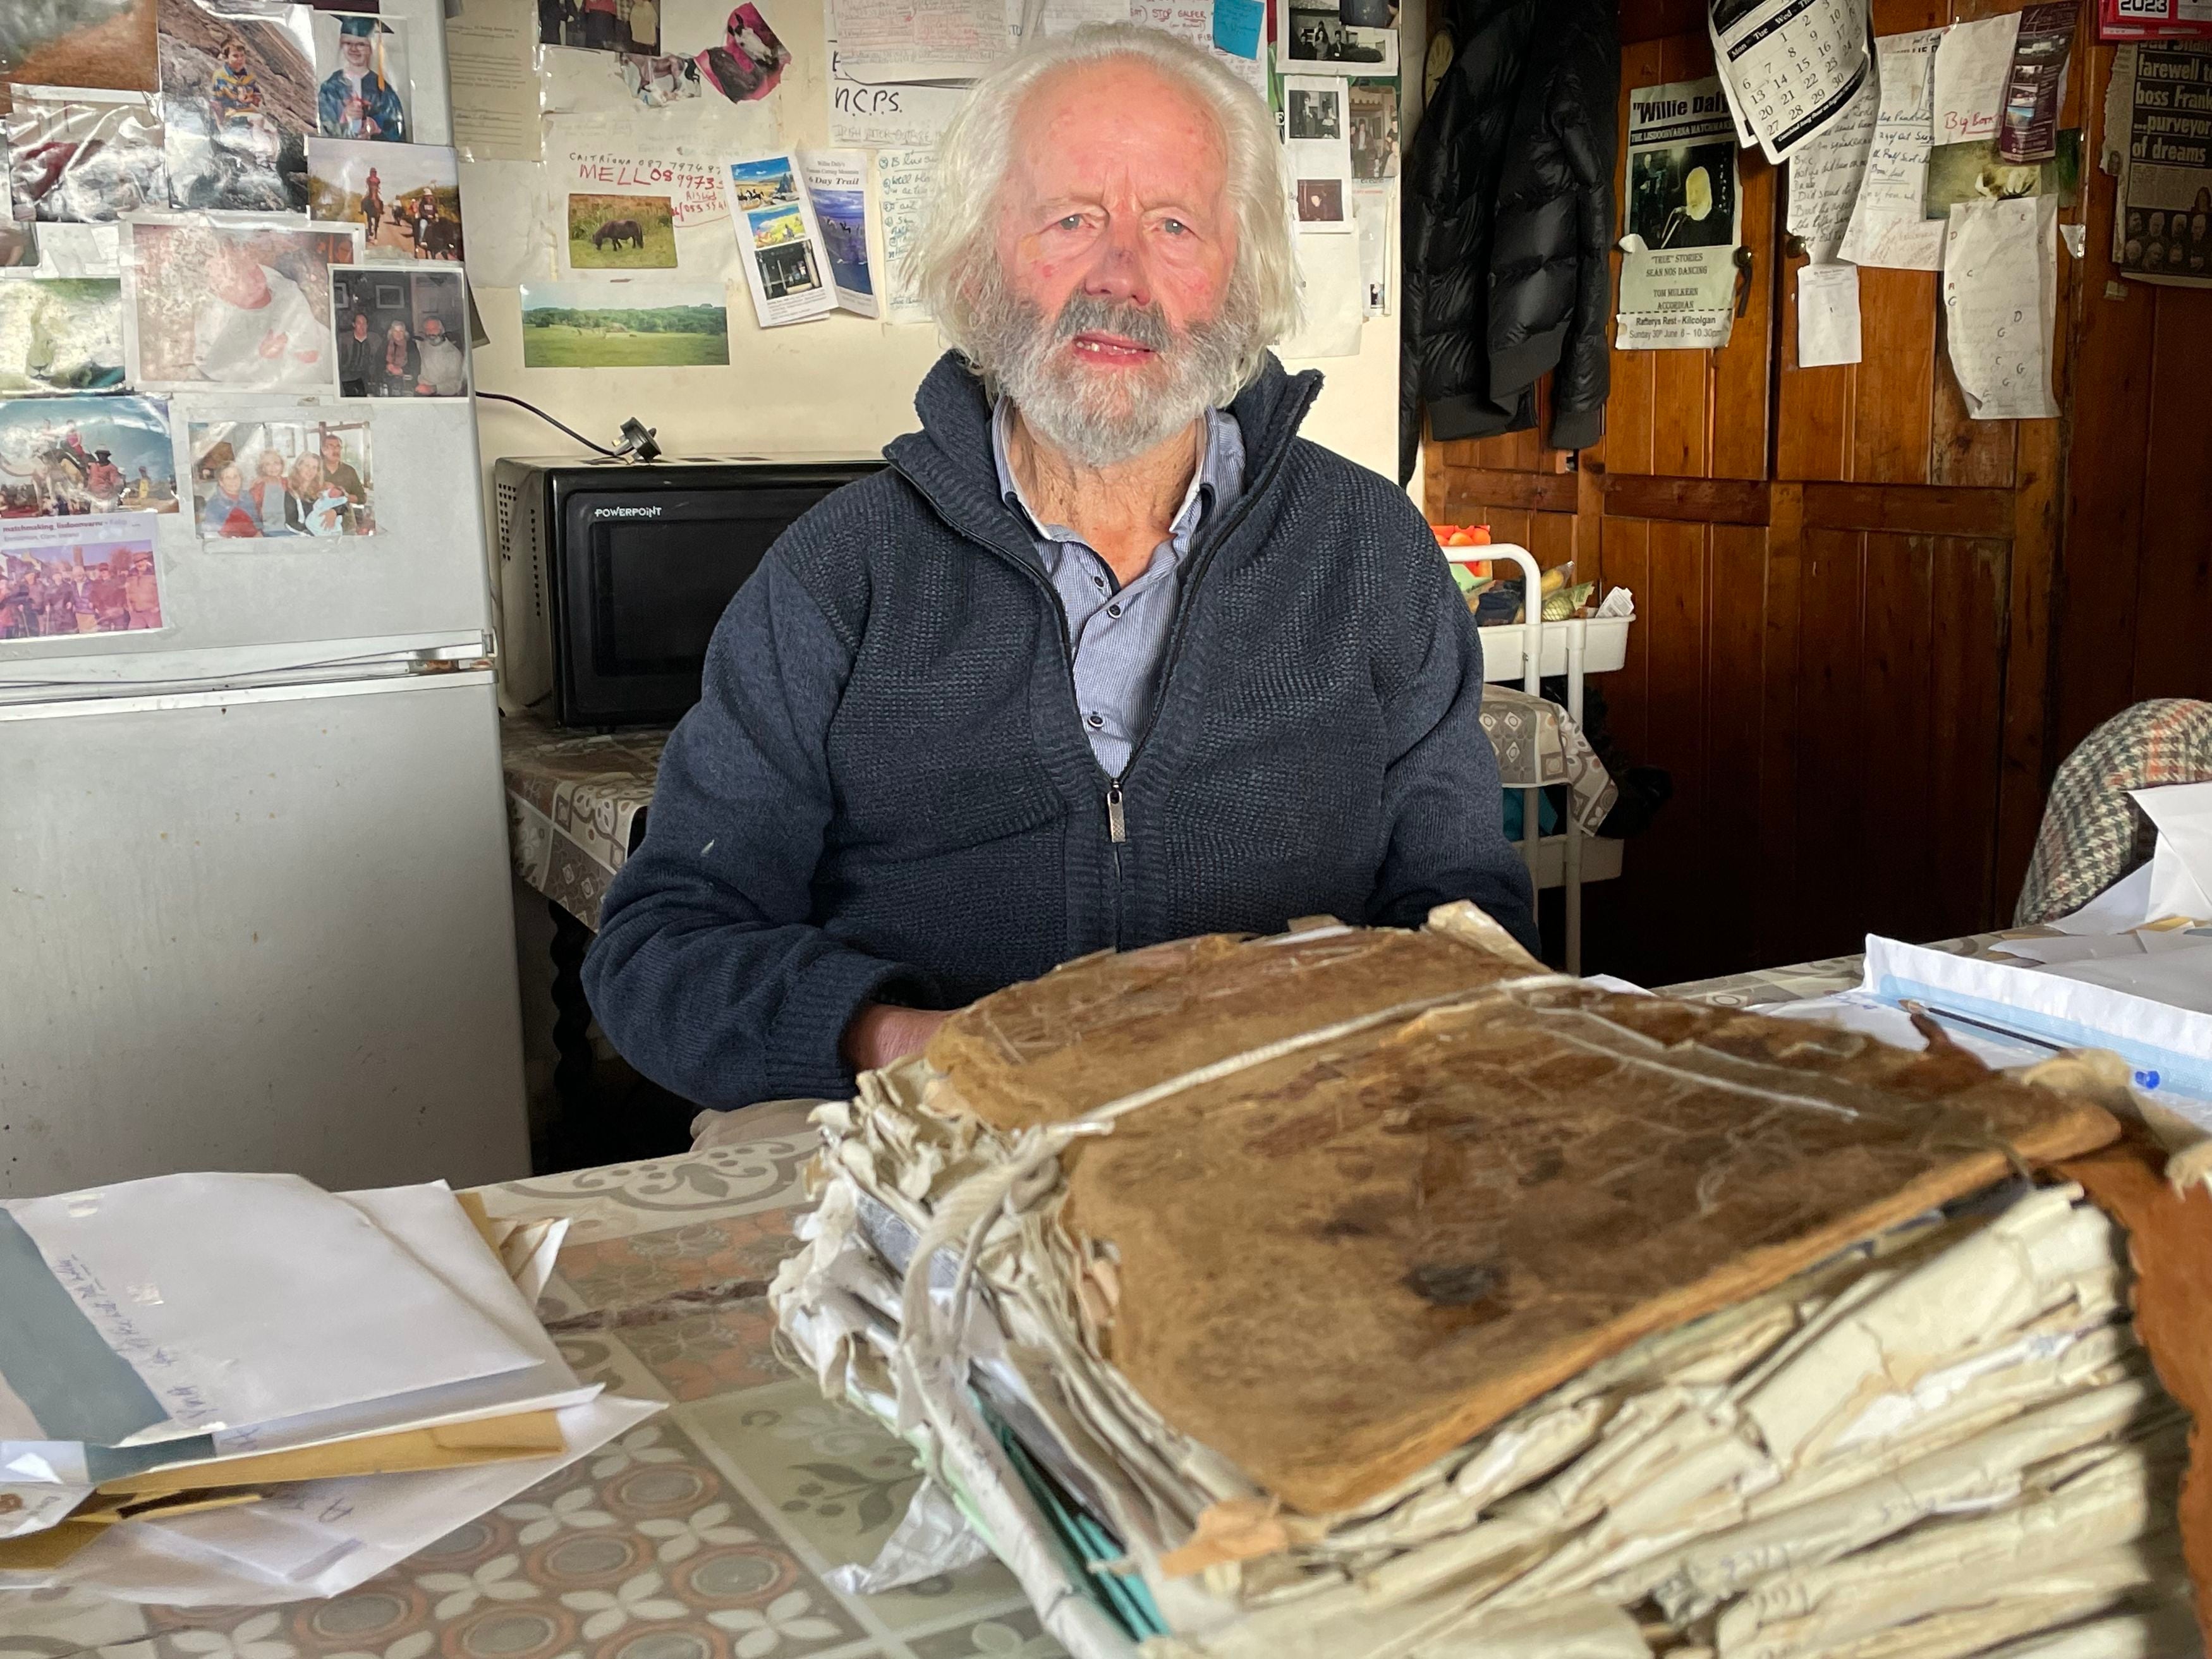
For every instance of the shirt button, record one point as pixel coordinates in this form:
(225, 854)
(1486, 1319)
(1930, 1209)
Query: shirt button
(1113, 610)
(1099, 582)
(1097, 719)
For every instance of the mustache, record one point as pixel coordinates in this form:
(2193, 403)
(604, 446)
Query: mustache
(1146, 324)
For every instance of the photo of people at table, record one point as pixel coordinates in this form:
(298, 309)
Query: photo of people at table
(400, 334)
(253, 480)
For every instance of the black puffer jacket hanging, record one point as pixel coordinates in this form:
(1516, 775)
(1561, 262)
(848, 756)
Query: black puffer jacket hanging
(1509, 214)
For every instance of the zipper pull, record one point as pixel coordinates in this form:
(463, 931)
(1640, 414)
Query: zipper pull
(1117, 827)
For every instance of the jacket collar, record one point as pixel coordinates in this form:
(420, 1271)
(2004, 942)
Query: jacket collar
(950, 459)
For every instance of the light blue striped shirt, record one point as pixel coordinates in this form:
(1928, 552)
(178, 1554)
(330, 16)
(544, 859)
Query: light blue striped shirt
(1118, 634)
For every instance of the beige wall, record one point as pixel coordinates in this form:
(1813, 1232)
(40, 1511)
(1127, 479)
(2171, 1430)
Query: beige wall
(843, 384)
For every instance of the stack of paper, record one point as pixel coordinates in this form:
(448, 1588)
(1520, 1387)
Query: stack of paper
(1366, 1295)
(241, 1388)
(2129, 973)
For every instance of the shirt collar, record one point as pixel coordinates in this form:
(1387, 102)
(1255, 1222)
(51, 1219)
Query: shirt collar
(1197, 501)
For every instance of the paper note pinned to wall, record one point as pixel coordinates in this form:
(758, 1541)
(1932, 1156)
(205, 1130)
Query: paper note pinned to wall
(904, 180)
(1888, 226)
(1193, 20)
(919, 39)
(1828, 316)
(1972, 61)
(2000, 301)
(1825, 171)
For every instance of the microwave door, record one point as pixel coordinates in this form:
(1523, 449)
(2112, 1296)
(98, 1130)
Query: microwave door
(642, 585)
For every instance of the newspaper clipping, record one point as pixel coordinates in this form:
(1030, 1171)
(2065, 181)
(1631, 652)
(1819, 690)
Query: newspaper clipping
(1791, 65)
(2163, 231)
(1678, 263)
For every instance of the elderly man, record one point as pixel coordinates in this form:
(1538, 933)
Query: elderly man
(1107, 655)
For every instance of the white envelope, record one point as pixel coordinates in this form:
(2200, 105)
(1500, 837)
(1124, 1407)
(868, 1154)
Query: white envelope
(182, 1305)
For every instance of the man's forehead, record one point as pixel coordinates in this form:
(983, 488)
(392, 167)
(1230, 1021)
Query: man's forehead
(1117, 116)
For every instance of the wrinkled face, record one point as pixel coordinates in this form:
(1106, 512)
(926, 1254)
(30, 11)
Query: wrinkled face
(1109, 315)
(230, 481)
(433, 327)
(333, 451)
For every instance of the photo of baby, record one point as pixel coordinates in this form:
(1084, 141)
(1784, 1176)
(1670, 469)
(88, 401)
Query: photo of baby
(241, 308)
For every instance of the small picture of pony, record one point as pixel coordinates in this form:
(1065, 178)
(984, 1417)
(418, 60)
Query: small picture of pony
(622, 233)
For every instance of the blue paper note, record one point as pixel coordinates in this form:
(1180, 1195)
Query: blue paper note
(1236, 25)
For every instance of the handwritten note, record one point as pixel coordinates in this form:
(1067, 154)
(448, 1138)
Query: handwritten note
(2000, 300)
(1887, 226)
(1193, 20)
(692, 184)
(1825, 171)
(1828, 316)
(1971, 63)
(919, 39)
(905, 179)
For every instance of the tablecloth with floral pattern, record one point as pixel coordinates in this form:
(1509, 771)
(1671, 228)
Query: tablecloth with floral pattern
(701, 1534)
(575, 806)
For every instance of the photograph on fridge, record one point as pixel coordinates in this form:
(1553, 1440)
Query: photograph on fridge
(74, 456)
(364, 90)
(270, 480)
(236, 307)
(237, 101)
(60, 334)
(80, 43)
(64, 578)
(405, 199)
(400, 333)
(84, 157)
(622, 233)
(625, 326)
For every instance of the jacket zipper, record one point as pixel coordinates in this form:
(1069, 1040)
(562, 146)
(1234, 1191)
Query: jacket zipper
(1117, 824)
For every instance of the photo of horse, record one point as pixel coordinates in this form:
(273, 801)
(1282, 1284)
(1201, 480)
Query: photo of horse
(406, 198)
(622, 233)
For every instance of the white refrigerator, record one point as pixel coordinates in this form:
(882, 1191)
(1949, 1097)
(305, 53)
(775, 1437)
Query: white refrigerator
(255, 910)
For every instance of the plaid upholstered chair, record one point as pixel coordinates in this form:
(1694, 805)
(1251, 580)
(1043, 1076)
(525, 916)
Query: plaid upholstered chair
(2093, 834)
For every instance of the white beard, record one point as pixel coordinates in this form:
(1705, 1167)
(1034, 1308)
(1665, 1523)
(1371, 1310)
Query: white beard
(1101, 418)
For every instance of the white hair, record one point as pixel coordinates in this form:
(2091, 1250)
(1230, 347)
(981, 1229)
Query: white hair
(951, 261)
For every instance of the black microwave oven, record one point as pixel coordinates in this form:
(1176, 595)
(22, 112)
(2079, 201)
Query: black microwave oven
(612, 574)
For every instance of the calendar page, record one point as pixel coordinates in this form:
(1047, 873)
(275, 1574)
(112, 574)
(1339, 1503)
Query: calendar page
(1791, 65)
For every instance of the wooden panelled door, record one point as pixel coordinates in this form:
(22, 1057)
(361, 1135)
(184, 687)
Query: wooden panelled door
(1844, 586)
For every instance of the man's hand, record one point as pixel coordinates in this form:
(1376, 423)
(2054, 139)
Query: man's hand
(880, 1033)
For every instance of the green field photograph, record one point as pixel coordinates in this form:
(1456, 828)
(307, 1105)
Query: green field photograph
(585, 326)
(621, 232)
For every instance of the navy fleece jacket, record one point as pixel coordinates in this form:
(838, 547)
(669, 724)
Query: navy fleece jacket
(886, 792)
